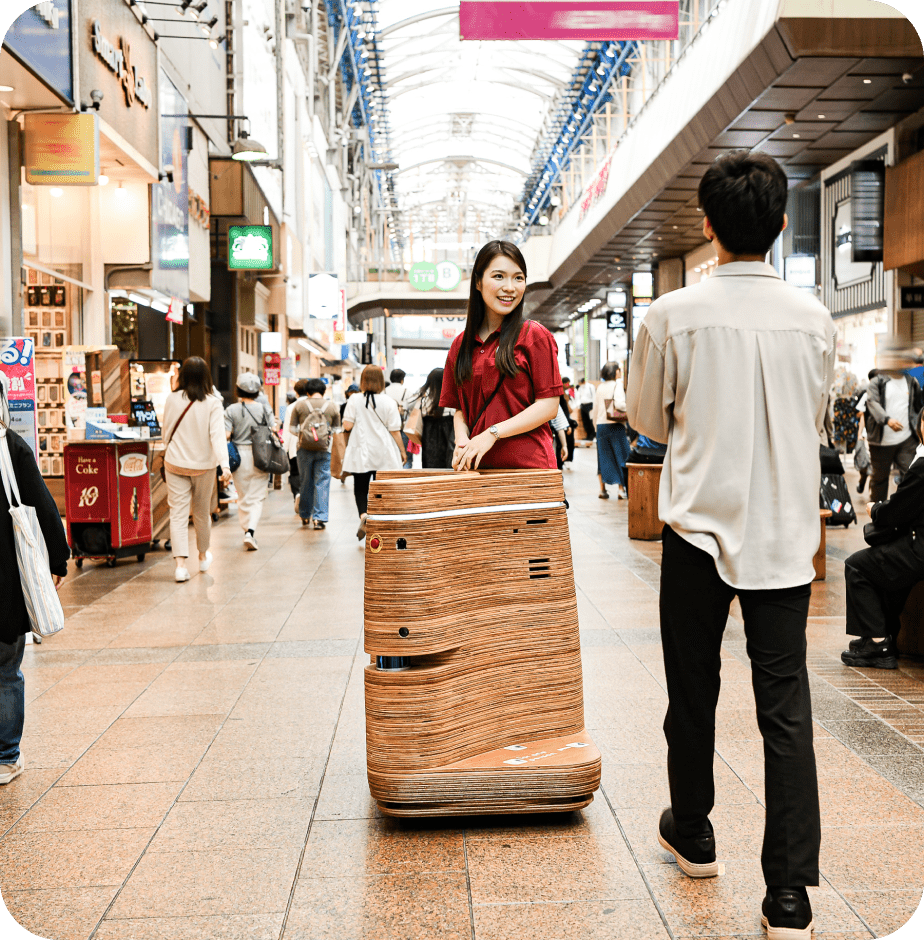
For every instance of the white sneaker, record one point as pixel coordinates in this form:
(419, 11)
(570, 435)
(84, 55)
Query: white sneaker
(204, 563)
(10, 772)
(250, 542)
(182, 574)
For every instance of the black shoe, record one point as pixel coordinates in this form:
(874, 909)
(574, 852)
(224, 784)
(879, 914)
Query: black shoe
(862, 484)
(867, 652)
(696, 855)
(787, 914)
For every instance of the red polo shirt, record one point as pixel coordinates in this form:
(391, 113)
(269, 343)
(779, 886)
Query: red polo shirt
(536, 354)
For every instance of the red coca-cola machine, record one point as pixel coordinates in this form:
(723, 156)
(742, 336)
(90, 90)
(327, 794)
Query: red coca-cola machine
(107, 491)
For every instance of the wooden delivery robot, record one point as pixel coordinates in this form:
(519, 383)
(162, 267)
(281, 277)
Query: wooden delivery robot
(474, 697)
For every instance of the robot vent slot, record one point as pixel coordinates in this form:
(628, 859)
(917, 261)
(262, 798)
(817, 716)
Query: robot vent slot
(538, 561)
(533, 577)
(536, 521)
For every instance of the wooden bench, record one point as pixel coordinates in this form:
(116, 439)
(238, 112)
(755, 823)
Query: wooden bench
(644, 482)
(820, 561)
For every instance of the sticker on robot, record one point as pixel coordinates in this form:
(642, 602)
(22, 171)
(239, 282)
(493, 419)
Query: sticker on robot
(576, 744)
(515, 747)
(516, 761)
(133, 465)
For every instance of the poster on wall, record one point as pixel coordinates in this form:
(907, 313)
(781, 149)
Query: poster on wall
(170, 199)
(17, 357)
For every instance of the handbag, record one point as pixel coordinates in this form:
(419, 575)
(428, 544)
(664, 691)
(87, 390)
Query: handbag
(163, 456)
(413, 427)
(269, 456)
(338, 445)
(234, 457)
(42, 602)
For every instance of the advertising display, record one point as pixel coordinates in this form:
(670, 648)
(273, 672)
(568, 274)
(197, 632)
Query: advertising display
(250, 248)
(62, 149)
(41, 40)
(272, 368)
(17, 363)
(170, 201)
(444, 275)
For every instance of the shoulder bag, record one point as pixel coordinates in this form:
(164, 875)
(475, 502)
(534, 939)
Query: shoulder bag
(613, 413)
(163, 459)
(269, 456)
(42, 602)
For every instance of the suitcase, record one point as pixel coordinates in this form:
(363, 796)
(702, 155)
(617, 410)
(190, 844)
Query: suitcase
(836, 497)
(830, 461)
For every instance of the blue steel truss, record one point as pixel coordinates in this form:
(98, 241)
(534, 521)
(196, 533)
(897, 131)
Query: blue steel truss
(590, 89)
(369, 73)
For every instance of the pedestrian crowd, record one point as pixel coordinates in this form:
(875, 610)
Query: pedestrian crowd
(732, 383)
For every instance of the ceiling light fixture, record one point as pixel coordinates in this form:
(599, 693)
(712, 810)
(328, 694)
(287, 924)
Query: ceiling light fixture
(7, 88)
(867, 81)
(56, 191)
(246, 149)
(103, 180)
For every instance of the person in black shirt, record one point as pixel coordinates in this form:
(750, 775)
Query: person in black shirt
(15, 623)
(880, 578)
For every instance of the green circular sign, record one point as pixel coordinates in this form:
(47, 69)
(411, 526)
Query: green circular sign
(448, 275)
(423, 275)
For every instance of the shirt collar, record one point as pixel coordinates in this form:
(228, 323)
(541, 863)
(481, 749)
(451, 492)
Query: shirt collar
(491, 336)
(749, 268)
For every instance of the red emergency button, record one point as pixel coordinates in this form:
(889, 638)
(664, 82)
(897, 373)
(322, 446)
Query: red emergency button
(375, 544)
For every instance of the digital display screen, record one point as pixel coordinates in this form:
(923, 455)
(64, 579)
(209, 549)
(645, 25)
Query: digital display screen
(143, 413)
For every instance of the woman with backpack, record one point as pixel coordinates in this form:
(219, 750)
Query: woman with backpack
(373, 422)
(312, 421)
(195, 446)
(434, 429)
(241, 419)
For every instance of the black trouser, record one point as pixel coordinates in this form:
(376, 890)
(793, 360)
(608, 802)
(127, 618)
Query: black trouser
(361, 483)
(589, 428)
(879, 580)
(881, 460)
(694, 610)
(294, 476)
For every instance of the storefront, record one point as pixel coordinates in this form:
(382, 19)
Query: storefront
(855, 286)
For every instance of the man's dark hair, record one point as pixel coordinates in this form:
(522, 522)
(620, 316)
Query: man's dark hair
(315, 387)
(300, 386)
(397, 375)
(743, 195)
(564, 379)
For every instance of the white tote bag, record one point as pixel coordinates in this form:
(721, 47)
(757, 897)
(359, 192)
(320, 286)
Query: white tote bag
(42, 601)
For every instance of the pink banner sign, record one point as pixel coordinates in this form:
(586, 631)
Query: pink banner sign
(584, 19)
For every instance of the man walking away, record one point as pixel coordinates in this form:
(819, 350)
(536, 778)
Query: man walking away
(893, 404)
(312, 420)
(734, 374)
(585, 397)
(403, 397)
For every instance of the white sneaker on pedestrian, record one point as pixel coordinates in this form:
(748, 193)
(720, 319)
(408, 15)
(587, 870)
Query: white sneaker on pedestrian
(205, 563)
(182, 574)
(10, 772)
(250, 542)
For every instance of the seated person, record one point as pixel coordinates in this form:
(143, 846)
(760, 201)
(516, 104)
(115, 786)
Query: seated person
(880, 578)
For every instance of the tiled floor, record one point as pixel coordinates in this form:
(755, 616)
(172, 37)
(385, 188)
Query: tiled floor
(195, 766)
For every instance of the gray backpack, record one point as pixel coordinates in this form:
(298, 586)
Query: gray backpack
(315, 431)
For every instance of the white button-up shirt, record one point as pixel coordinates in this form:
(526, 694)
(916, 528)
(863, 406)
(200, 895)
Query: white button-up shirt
(734, 374)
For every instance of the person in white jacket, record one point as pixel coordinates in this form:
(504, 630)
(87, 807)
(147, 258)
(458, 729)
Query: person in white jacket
(196, 444)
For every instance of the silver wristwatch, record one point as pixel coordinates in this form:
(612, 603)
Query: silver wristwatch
(495, 432)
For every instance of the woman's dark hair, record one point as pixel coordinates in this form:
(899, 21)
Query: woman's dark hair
(743, 194)
(608, 372)
(300, 386)
(195, 379)
(250, 396)
(372, 380)
(510, 328)
(315, 387)
(430, 392)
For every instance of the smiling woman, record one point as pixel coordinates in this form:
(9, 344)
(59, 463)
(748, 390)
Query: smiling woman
(502, 374)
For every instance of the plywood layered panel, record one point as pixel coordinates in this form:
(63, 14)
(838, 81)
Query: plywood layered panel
(469, 576)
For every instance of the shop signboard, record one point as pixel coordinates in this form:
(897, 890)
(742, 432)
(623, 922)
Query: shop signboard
(912, 298)
(17, 363)
(583, 19)
(272, 368)
(117, 57)
(250, 248)
(41, 40)
(799, 270)
(170, 200)
(62, 149)
(616, 320)
(444, 275)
